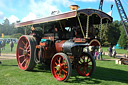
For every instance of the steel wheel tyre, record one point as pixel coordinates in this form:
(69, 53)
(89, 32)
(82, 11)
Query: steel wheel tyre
(25, 52)
(85, 65)
(61, 67)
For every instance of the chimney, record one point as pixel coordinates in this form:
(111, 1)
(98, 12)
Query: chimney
(74, 7)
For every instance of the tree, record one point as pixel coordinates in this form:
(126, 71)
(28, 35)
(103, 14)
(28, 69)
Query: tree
(123, 40)
(110, 33)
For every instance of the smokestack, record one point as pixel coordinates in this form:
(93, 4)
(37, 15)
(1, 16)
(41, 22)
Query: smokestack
(74, 7)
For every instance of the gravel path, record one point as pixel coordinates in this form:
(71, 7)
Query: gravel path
(13, 56)
(7, 56)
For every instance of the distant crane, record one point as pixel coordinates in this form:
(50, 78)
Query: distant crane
(121, 11)
(101, 4)
(122, 14)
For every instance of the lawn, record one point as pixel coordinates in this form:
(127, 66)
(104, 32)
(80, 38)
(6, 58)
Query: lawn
(8, 49)
(6, 36)
(119, 51)
(107, 73)
(105, 49)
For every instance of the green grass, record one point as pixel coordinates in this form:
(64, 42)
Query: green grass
(8, 49)
(107, 73)
(119, 51)
(6, 36)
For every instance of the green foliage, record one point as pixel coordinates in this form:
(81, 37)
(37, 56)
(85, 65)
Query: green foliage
(110, 33)
(18, 35)
(123, 40)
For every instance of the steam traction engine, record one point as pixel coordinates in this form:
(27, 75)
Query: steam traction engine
(76, 32)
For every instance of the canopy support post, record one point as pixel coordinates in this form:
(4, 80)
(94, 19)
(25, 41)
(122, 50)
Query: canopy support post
(81, 26)
(87, 26)
(101, 24)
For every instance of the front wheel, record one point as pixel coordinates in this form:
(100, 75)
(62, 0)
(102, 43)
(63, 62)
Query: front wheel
(61, 67)
(85, 65)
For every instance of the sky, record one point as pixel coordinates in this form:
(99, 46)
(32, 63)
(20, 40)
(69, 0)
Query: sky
(25, 10)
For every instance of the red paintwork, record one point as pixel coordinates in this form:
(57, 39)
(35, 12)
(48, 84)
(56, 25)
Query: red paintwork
(23, 46)
(48, 19)
(79, 40)
(59, 45)
(84, 68)
(61, 73)
(94, 42)
(48, 51)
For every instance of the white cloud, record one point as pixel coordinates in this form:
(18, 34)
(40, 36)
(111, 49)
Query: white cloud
(12, 19)
(45, 7)
(1, 15)
(30, 16)
(109, 0)
(86, 0)
(93, 0)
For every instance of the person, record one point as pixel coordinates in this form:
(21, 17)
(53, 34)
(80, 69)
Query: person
(110, 51)
(0, 51)
(57, 34)
(114, 52)
(72, 33)
(0, 48)
(11, 45)
(3, 44)
(96, 53)
(100, 53)
(124, 55)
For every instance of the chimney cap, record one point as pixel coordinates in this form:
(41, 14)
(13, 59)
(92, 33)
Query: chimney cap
(74, 7)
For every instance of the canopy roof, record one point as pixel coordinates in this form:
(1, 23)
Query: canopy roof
(67, 15)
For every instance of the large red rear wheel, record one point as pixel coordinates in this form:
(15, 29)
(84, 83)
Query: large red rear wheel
(61, 67)
(85, 65)
(25, 52)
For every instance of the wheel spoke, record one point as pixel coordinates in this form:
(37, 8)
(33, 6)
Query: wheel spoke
(56, 70)
(64, 63)
(56, 64)
(87, 59)
(64, 71)
(26, 44)
(59, 60)
(79, 66)
(88, 68)
(23, 62)
(23, 42)
(21, 48)
(83, 69)
(21, 56)
(27, 61)
(59, 73)
(28, 51)
(29, 55)
(89, 65)
(28, 47)
(65, 66)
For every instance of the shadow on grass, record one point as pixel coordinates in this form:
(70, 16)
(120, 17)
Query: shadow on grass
(7, 65)
(101, 73)
(75, 78)
(108, 74)
(41, 68)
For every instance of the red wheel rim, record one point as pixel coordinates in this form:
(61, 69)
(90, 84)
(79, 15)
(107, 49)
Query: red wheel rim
(59, 67)
(84, 65)
(23, 53)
